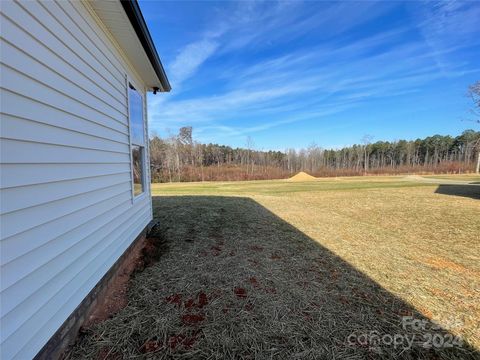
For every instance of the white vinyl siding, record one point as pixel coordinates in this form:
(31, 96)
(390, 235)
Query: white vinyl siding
(65, 174)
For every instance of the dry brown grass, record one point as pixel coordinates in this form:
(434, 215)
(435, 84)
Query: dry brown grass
(290, 270)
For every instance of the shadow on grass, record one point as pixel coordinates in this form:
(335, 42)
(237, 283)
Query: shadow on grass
(237, 282)
(471, 190)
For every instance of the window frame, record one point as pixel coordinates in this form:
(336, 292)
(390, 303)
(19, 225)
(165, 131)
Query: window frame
(143, 147)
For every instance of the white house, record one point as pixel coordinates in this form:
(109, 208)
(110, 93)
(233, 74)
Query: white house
(75, 181)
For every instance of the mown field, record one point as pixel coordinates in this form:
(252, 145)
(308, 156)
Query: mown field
(278, 269)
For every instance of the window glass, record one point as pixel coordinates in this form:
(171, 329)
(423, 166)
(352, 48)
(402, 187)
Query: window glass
(137, 127)
(137, 134)
(137, 168)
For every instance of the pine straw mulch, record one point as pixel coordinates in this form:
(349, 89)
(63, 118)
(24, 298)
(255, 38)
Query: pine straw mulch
(235, 281)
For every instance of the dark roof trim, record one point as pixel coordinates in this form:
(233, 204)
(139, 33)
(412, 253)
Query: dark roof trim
(138, 22)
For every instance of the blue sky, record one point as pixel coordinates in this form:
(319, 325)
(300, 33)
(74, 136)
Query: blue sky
(287, 74)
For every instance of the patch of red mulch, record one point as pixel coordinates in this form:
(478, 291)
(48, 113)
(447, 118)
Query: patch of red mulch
(275, 256)
(192, 319)
(175, 340)
(202, 300)
(187, 342)
(216, 250)
(307, 316)
(190, 304)
(174, 299)
(253, 281)
(150, 346)
(240, 292)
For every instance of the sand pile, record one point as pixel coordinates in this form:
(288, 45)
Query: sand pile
(302, 176)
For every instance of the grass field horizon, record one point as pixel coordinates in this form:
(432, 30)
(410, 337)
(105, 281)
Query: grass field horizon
(469, 176)
(320, 184)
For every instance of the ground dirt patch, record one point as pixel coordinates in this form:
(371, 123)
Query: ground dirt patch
(302, 176)
(115, 297)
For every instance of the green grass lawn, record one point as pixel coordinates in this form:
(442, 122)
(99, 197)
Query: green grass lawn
(278, 269)
(280, 187)
(461, 177)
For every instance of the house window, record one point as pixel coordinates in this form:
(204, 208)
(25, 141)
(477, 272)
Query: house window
(137, 136)
(137, 169)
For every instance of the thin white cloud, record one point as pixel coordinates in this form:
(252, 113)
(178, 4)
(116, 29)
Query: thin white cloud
(312, 82)
(446, 24)
(190, 59)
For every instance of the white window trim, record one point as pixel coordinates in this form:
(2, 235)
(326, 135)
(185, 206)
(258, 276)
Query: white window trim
(148, 174)
(141, 196)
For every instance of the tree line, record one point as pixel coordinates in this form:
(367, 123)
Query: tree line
(180, 158)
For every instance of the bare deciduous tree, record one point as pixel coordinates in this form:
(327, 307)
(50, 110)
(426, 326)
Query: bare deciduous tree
(366, 140)
(179, 158)
(474, 93)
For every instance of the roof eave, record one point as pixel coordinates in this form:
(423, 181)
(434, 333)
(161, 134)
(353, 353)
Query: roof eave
(132, 9)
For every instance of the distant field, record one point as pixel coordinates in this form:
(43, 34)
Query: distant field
(282, 187)
(462, 177)
(280, 270)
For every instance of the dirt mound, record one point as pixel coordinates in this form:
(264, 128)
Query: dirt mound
(302, 176)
